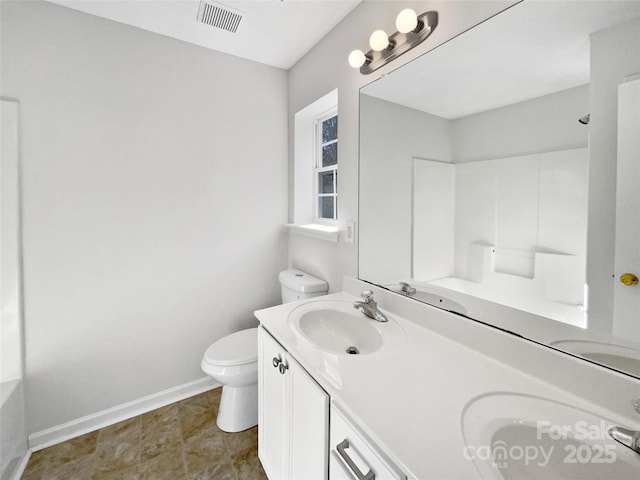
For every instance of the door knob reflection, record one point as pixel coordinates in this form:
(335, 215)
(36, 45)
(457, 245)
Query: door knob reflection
(628, 279)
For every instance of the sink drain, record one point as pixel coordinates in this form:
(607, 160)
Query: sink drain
(353, 350)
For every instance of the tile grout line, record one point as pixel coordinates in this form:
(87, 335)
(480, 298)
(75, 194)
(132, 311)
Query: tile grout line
(95, 453)
(184, 454)
(94, 456)
(139, 446)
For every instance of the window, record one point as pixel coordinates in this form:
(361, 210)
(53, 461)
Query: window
(326, 168)
(315, 171)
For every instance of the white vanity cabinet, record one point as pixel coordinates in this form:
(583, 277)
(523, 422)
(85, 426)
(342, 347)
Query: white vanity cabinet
(293, 416)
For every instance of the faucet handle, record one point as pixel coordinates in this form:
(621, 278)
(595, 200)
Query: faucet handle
(407, 289)
(367, 295)
(628, 438)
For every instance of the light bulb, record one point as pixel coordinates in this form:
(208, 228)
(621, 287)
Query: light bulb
(407, 20)
(379, 40)
(357, 58)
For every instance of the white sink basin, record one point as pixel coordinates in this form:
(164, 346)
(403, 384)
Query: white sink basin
(440, 302)
(430, 298)
(335, 326)
(620, 357)
(513, 436)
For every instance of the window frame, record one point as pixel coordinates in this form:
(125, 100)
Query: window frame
(318, 169)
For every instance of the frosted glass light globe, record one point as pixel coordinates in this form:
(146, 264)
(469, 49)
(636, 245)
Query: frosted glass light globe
(357, 58)
(379, 40)
(407, 20)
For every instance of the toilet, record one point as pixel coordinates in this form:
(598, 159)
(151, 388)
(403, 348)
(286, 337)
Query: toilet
(233, 360)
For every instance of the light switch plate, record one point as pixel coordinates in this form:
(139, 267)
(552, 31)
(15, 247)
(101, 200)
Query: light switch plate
(349, 232)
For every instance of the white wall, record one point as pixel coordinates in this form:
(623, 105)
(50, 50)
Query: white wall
(542, 124)
(13, 435)
(155, 199)
(11, 342)
(433, 219)
(612, 59)
(392, 136)
(324, 68)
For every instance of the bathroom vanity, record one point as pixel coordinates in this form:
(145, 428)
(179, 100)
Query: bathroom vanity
(429, 395)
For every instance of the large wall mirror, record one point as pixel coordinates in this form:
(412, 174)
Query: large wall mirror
(499, 177)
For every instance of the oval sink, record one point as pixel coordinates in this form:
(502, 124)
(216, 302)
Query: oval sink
(620, 357)
(336, 327)
(514, 436)
(433, 299)
(440, 302)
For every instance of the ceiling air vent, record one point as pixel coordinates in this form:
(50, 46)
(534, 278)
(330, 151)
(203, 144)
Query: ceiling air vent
(219, 16)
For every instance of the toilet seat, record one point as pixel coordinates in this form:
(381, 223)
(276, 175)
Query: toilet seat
(238, 348)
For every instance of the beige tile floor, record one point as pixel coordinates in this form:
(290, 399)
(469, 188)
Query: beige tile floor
(177, 442)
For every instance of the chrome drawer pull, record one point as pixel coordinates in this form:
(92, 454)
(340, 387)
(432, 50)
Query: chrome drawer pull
(342, 447)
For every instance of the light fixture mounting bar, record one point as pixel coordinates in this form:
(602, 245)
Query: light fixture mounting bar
(400, 43)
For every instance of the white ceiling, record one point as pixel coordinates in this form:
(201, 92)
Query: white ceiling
(273, 32)
(533, 49)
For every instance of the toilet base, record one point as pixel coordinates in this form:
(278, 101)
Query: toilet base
(238, 408)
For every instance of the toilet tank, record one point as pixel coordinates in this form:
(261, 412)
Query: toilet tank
(299, 285)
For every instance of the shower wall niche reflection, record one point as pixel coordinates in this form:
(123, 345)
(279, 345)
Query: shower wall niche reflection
(483, 204)
(516, 230)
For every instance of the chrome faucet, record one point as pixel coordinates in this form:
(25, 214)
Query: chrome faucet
(406, 289)
(628, 438)
(369, 307)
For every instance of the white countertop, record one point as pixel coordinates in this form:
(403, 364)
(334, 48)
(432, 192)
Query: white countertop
(408, 397)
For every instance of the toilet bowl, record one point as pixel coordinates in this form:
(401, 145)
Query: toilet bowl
(233, 360)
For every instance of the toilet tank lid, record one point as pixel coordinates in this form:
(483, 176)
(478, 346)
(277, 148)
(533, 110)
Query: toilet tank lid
(300, 281)
(235, 349)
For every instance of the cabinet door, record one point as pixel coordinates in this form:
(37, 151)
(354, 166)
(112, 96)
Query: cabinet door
(273, 408)
(309, 426)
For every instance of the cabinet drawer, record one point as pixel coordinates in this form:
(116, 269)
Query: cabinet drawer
(354, 458)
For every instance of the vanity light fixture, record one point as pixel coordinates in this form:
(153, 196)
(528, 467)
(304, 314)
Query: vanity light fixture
(379, 40)
(412, 30)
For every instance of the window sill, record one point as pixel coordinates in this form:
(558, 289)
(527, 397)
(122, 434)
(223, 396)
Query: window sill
(313, 230)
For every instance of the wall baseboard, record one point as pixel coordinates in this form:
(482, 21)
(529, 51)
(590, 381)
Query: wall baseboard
(80, 426)
(17, 475)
